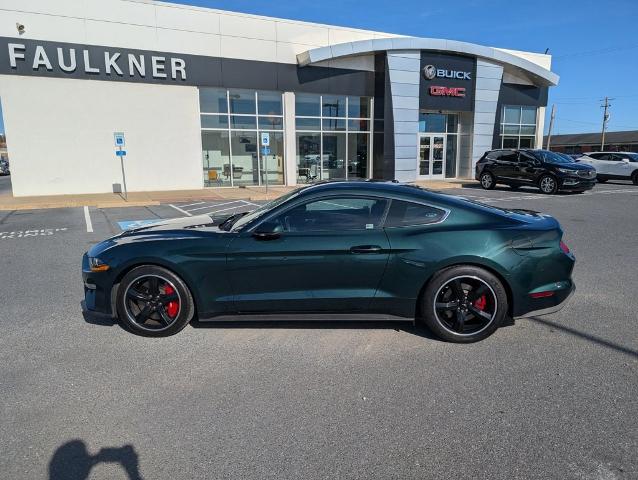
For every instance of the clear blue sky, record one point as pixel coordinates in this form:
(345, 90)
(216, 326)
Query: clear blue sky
(594, 42)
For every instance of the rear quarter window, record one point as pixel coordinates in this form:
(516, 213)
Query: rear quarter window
(405, 214)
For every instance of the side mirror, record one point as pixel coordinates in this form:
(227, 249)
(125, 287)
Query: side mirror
(268, 231)
(626, 160)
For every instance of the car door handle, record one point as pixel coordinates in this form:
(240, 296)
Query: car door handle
(366, 249)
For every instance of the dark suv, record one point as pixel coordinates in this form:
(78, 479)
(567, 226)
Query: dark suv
(546, 170)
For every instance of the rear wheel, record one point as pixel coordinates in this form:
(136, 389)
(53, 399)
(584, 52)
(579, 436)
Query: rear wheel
(154, 302)
(464, 304)
(634, 177)
(487, 181)
(548, 184)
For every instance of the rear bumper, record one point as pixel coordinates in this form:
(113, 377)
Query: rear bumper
(547, 306)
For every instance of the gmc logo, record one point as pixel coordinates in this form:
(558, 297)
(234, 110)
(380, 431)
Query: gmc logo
(447, 91)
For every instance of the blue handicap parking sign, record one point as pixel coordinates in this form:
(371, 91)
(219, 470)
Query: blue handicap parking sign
(130, 224)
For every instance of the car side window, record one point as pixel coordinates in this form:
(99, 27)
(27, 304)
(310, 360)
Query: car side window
(404, 214)
(595, 156)
(334, 213)
(617, 157)
(509, 157)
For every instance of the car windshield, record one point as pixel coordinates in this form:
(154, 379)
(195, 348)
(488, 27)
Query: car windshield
(239, 222)
(550, 157)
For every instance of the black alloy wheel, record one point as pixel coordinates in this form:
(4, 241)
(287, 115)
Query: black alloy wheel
(548, 184)
(152, 301)
(487, 181)
(464, 304)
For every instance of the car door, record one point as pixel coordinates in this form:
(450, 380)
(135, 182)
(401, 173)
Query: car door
(507, 162)
(601, 163)
(527, 168)
(319, 255)
(618, 166)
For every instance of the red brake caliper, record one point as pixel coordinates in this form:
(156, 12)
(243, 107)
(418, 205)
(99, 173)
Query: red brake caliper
(481, 302)
(173, 307)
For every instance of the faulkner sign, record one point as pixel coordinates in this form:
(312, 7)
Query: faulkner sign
(31, 57)
(447, 82)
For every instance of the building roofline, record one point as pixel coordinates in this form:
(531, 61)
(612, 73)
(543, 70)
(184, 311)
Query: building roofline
(543, 76)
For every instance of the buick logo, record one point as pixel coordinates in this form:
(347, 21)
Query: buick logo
(429, 72)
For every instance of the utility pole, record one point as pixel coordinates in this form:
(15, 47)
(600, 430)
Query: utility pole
(551, 126)
(605, 119)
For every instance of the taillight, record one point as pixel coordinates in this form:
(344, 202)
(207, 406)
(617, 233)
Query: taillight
(564, 247)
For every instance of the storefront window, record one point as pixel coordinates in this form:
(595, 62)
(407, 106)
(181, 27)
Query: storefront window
(518, 127)
(231, 122)
(308, 154)
(333, 136)
(216, 158)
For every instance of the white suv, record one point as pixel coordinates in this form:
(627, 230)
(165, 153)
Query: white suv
(613, 165)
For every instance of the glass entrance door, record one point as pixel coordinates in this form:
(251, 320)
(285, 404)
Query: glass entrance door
(431, 156)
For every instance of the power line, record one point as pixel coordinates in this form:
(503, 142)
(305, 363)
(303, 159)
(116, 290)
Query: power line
(594, 52)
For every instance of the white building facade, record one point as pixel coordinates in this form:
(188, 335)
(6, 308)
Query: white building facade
(209, 98)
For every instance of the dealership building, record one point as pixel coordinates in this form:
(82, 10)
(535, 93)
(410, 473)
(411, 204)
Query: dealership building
(208, 98)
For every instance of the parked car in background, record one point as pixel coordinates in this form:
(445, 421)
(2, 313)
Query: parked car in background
(613, 165)
(548, 171)
(378, 248)
(4, 167)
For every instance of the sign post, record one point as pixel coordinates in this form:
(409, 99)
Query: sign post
(120, 142)
(265, 151)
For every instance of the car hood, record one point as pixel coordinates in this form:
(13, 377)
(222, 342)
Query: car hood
(573, 166)
(181, 223)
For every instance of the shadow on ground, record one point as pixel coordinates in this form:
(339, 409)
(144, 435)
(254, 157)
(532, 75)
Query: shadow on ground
(72, 461)
(102, 320)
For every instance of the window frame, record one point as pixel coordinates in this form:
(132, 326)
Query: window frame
(519, 126)
(250, 228)
(446, 213)
(304, 201)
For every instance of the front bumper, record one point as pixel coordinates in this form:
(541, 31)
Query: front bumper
(547, 306)
(577, 184)
(97, 291)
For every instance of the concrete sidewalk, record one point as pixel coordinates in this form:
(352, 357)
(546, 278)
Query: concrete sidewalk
(109, 200)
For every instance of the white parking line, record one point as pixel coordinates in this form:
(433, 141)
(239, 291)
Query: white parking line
(191, 204)
(214, 205)
(225, 209)
(87, 219)
(180, 210)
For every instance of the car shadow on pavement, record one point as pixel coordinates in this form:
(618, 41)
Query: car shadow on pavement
(397, 326)
(586, 336)
(72, 461)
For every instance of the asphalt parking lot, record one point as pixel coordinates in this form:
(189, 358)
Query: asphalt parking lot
(551, 397)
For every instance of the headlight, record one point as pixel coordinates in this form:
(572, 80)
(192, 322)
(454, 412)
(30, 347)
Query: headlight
(567, 171)
(97, 265)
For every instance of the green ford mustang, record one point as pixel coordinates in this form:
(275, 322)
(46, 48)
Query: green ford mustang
(337, 250)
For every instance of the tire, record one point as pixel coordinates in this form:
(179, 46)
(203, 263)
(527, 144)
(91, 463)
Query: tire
(548, 184)
(634, 177)
(166, 306)
(487, 181)
(477, 285)
(601, 180)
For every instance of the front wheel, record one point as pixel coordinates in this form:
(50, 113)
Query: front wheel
(634, 177)
(154, 302)
(487, 181)
(464, 304)
(548, 184)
